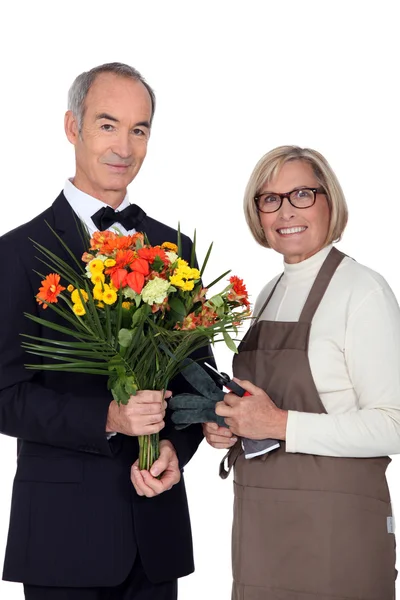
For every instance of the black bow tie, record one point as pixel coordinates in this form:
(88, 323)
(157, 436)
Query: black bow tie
(131, 217)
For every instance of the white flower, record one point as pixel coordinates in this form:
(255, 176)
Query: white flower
(172, 256)
(155, 291)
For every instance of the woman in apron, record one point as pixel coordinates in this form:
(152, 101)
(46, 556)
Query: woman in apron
(321, 361)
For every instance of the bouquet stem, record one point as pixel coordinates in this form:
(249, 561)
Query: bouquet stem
(149, 450)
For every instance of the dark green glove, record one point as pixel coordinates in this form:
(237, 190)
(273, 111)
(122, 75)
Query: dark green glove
(191, 408)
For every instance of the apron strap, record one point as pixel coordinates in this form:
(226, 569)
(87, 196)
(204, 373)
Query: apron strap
(264, 306)
(320, 284)
(229, 460)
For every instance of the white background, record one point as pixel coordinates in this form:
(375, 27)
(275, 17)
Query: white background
(233, 80)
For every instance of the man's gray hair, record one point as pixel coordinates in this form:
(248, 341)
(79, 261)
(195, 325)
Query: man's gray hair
(82, 84)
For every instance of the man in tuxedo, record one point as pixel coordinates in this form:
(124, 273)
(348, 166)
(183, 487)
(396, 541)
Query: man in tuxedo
(85, 523)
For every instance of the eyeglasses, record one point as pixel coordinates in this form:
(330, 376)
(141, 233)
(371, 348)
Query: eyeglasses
(299, 198)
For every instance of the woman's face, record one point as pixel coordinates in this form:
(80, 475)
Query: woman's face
(311, 224)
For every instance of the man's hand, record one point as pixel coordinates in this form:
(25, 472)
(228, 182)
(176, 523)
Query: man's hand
(146, 482)
(144, 414)
(255, 417)
(218, 437)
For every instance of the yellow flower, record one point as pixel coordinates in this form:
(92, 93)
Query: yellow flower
(188, 286)
(96, 265)
(195, 274)
(183, 271)
(76, 298)
(98, 292)
(170, 246)
(79, 309)
(126, 305)
(70, 288)
(111, 287)
(109, 262)
(182, 263)
(110, 296)
(176, 281)
(100, 304)
(97, 277)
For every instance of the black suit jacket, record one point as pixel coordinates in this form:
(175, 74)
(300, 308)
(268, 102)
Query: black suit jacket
(76, 519)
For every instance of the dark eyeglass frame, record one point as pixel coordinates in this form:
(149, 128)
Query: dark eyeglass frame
(287, 195)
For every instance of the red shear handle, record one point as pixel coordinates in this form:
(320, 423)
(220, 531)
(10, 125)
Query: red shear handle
(236, 389)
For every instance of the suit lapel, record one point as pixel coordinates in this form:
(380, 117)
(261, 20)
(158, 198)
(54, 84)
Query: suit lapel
(69, 227)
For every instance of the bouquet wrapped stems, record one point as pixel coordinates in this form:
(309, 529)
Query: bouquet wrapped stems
(149, 450)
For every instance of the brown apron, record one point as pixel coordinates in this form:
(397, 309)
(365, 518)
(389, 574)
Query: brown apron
(305, 527)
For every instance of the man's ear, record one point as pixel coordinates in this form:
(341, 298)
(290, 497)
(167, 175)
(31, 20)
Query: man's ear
(71, 127)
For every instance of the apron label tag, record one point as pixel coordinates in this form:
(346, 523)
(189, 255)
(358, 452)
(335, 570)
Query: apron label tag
(390, 524)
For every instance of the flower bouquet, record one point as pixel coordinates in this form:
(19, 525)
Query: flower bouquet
(134, 313)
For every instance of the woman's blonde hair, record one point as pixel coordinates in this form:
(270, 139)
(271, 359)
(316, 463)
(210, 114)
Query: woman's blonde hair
(268, 168)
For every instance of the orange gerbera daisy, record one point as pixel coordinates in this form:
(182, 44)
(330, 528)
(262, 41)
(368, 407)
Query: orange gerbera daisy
(50, 289)
(150, 254)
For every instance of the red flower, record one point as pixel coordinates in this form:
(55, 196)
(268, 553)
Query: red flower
(50, 289)
(118, 277)
(151, 254)
(139, 265)
(135, 280)
(123, 259)
(238, 293)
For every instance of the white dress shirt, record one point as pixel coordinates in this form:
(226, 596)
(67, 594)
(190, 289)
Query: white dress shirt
(354, 354)
(85, 206)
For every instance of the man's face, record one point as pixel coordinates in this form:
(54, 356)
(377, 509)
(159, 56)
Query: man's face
(113, 142)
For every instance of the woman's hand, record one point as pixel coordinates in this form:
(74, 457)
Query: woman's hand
(255, 417)
(218, 437)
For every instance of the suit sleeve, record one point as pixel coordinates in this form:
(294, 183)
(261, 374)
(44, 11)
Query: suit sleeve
(29, 410)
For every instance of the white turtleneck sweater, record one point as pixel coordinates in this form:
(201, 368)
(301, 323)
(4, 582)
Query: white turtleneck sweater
(354, 354)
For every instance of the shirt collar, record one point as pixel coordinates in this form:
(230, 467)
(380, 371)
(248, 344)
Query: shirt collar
(85, 206)
(306, 269)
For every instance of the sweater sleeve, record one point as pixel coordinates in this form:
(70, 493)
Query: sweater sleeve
(372, 355)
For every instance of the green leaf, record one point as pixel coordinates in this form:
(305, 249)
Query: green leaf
(65, 367)
(216, 301)
(157, 264)
(77, 334)
(193, 253)
(140, 315)
(64, 344)
(178, 309)
(229, 342)
(218, 279)
(125, 337)
(206, 259)
(179, 241)
(115, 364)
(220, 311)
(130, 386)
(119, 393)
